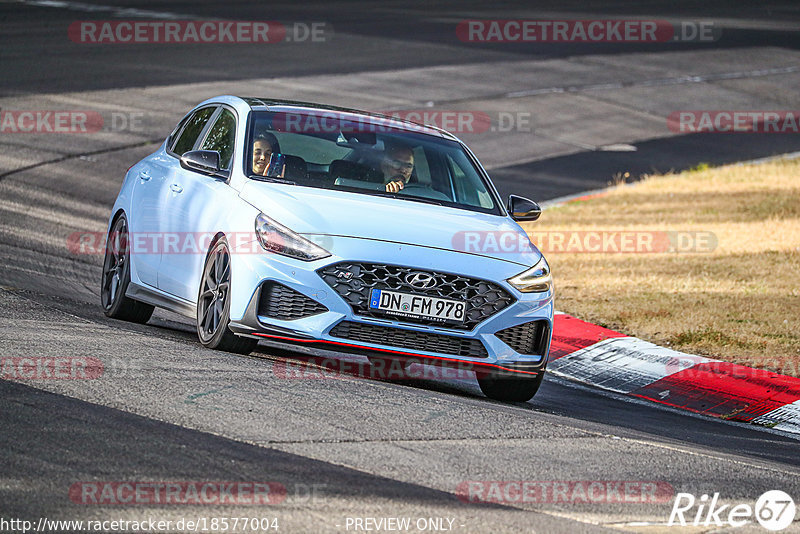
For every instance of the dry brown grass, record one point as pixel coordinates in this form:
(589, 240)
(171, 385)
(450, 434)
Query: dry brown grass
(739, 303)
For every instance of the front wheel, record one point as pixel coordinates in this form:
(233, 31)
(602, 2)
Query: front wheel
(506, 387)
(214, 304)
(117, 276)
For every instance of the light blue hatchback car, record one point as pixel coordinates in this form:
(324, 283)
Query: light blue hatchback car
(334, 229)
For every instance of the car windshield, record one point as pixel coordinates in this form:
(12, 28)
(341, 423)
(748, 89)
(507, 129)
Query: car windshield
(340, 151)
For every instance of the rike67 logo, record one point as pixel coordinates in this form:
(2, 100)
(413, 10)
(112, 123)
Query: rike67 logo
(774, 510)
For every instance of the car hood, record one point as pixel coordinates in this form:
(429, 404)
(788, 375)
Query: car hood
(312, 211)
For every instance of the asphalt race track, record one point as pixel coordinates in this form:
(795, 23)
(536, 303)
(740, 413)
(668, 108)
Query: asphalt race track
(165, 409)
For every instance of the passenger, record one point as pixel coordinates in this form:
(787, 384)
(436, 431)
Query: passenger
(397, 166)
(263, 147)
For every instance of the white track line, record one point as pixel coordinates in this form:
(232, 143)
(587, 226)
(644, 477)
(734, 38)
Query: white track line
(657, 82)
(114, 11)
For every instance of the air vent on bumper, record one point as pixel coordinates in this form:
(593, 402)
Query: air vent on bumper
(410, 339)
(280, 302)
(526, 338)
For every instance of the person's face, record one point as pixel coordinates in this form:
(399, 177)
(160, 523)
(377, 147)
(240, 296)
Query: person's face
(398, 163)
(262, 151)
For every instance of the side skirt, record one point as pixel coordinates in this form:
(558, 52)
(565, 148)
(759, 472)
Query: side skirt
(154, 297)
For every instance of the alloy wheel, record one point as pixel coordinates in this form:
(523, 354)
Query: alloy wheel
(214, 292)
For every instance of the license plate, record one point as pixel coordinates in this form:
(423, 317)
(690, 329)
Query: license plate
(408, 305)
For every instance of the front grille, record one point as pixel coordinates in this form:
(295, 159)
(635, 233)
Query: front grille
(281, 302)
(354, 283)
(526, 338)
(408, 339)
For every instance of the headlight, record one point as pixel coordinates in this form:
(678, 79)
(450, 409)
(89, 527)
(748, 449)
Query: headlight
(279, 239)
(534, 280)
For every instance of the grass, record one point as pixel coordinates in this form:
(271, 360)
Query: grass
(739, 302)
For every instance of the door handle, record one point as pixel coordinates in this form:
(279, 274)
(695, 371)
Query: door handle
(144, 176)
(175, 188)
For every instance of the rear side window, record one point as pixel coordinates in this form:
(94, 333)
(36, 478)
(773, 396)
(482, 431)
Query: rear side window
(221, 138)
(191, 131)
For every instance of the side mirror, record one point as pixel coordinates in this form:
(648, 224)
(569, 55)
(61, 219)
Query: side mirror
(522, 209)
(203, 161)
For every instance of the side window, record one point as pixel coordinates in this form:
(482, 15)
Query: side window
(192, 130)
(221, 138)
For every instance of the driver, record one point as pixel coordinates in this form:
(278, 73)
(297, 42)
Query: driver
(263, 147)
(397, 166)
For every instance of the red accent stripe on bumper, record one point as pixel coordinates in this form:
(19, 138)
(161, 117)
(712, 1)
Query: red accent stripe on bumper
(364, 347)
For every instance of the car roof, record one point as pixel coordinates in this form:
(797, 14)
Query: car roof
(271, 104)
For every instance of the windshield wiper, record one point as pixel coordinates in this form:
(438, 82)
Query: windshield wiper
(423, 200)
(275, 180)
(407, 197)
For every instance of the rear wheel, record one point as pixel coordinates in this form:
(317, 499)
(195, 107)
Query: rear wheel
(214, 304)
(117, 276)
(507, 387)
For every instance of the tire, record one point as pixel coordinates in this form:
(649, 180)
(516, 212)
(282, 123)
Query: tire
(117, 276)
(508, 388)
(214, 304)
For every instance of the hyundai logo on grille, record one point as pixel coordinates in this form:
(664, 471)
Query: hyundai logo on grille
(420, 280)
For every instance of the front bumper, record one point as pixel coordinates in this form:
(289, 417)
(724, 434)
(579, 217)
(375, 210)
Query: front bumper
(335, 325)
